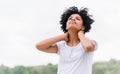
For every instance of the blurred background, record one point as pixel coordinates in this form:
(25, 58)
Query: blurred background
(23, 23)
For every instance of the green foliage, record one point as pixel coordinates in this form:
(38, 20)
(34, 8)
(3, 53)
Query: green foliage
(44, 69)
(111, 67)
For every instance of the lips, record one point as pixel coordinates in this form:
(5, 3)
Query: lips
(72, 23)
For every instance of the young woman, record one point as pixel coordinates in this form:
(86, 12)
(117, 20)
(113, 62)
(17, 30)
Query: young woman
(74, 49)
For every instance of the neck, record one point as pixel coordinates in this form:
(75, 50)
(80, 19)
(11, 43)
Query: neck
(73, 38)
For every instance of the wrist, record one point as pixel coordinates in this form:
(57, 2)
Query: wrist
(81, 34)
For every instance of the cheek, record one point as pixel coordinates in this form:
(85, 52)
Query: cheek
(79, 26)
(67, 25)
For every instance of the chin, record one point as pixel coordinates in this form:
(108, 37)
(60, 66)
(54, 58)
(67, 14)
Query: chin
(72, 27)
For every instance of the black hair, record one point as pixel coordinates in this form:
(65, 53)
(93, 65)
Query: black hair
(83, 12)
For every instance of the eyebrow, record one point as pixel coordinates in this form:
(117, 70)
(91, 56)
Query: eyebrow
(75, 16)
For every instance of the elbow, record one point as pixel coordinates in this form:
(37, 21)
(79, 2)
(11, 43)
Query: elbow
(88, 48)
(38, 46)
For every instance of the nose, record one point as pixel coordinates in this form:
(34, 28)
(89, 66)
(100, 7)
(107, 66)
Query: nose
(73, 19)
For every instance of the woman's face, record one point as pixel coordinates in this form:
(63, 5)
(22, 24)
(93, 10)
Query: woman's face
(74, 22)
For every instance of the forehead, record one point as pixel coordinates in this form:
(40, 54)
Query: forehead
(75, 15)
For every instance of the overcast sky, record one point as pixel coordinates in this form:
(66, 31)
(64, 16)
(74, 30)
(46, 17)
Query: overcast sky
(23, 23)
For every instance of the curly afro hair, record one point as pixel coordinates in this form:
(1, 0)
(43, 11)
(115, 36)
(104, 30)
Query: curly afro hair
(83, 12)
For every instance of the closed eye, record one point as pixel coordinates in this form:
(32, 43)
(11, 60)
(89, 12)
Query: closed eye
(70, 18)
(77, 18)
